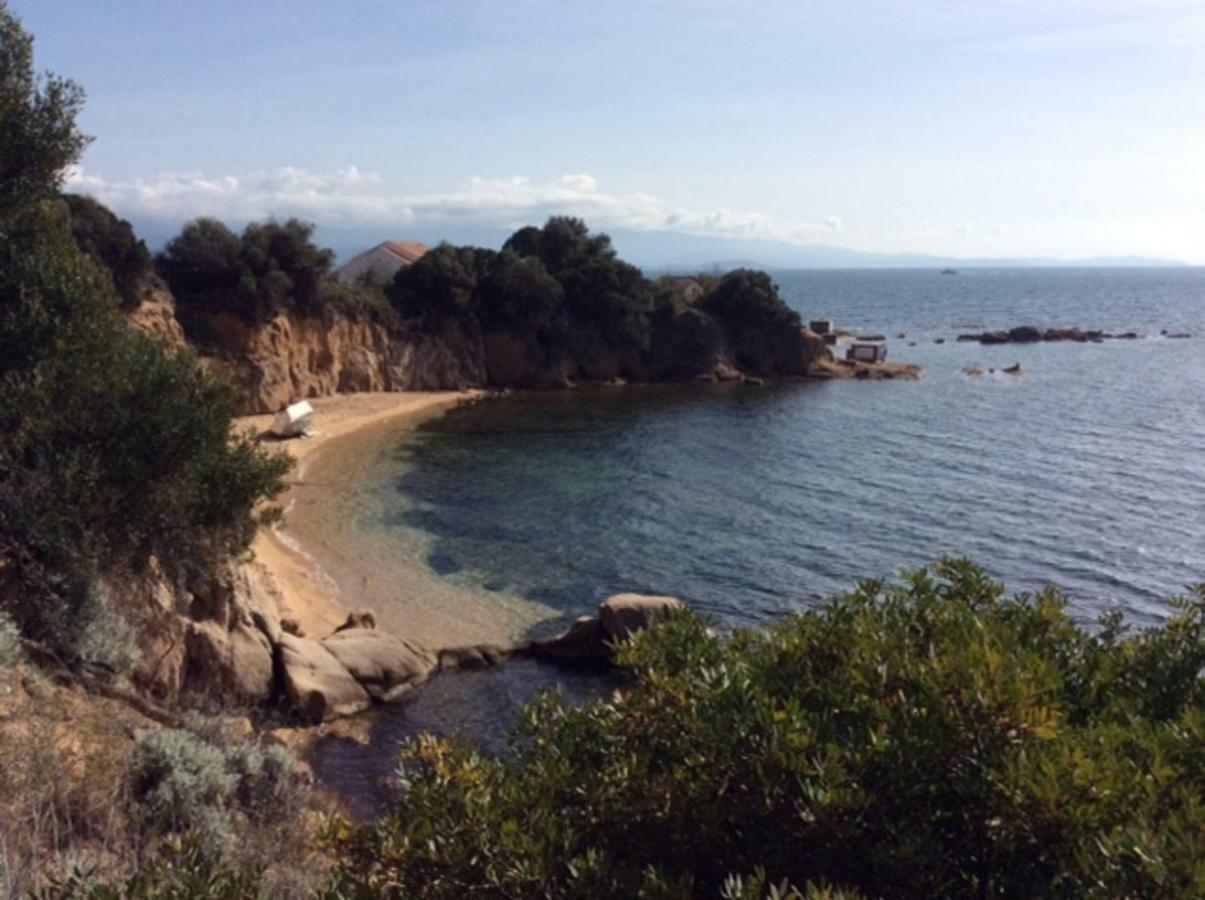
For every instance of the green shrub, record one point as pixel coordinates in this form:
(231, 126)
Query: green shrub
(112, 244)
(929, 738)
(186, 870)
(181, 779)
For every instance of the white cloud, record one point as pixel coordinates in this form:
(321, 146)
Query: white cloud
(352, 197)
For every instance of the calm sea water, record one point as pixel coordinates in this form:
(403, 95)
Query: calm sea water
(1086, 472)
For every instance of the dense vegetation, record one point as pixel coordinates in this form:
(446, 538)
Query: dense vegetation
(272, 267)
(111, 243)
(922, 739)
(113, 449)
(563, 294)
(925, 739)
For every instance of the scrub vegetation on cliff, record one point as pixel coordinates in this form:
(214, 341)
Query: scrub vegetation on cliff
(114, 449)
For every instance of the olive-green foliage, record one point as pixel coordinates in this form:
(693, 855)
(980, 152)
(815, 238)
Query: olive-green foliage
(929, 738)
(112, 244)
(113, 448)
(762, 330)
(38, 134)
(440, 288)
(273, 266)
(565, 290)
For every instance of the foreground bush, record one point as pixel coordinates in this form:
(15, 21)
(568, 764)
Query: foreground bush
(926, 739)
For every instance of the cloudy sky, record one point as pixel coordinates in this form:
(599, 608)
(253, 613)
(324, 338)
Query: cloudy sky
(1002, 128)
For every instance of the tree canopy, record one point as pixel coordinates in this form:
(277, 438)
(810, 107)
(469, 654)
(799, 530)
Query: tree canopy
(272, 266)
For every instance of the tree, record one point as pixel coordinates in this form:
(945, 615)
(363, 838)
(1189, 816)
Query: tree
(113, 448)
(272, 266)
(39, 138)
(518, 295)
(765, 334)
(112, 244)
(441, 286)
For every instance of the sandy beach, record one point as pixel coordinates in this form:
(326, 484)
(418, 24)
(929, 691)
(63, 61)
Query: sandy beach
(308, 557)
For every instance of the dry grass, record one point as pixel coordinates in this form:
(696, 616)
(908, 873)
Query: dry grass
(69, 784)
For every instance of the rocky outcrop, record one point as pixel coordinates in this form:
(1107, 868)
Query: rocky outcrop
(385, 666)
(318, 686)
(1030, 334)
(828, 369)
(293, 356)
(624, 614)
(154, 313)
(589, 640)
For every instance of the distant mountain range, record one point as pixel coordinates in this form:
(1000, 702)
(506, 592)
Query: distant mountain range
(665, 250)
(672, 251)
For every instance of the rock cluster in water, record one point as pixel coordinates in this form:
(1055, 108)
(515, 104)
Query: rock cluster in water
(1030, 334)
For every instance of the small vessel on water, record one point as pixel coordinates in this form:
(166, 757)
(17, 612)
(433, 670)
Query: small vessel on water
(949, 271)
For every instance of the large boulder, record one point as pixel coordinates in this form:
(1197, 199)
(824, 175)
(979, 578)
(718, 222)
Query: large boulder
(624, 614)
(234, 664)
(317, 684)
(584, 643)
(383, 665)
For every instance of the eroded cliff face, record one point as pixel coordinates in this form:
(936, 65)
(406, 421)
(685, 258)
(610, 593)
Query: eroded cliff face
(155, 313)
(293, 356)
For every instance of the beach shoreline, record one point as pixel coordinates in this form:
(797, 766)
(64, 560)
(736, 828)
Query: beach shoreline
(307, 592)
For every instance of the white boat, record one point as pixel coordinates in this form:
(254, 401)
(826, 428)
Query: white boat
(293, 420)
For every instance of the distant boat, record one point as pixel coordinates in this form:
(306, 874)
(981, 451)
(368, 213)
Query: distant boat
(949, 271)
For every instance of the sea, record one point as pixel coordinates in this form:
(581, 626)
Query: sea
(1085, 472)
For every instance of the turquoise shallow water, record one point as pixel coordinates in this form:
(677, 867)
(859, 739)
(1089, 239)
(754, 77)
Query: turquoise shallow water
(1087, 473)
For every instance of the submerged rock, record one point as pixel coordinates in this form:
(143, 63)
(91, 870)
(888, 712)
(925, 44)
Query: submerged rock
(474, 656)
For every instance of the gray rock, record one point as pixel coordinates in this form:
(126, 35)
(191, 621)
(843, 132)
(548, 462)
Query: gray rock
(234, 665)
(317, 684)
(383, 665)
(585, 642)
(475, 656)
(625, 614)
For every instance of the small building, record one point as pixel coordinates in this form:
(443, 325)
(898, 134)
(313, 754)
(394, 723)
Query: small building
(867, 351)
(822, 326)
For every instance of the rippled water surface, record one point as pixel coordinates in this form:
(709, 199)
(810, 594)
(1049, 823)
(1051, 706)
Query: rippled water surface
(1085, 472)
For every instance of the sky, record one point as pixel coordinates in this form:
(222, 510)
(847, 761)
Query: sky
(1002, 129)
